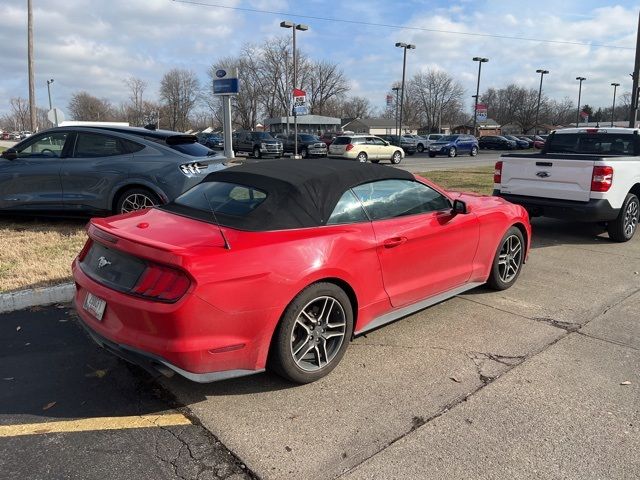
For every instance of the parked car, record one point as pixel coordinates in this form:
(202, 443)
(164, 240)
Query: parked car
(433, 137)
(278, 264)
(211, 140)
(5, 136)
(365, 148)
(100, 171)
(408, 144)
(421, 142)
(496, 142)
(329, 137)
(308, 145)
(453, 145)
(257, 144)
(529, 140)
(521, 144)
(582, 174)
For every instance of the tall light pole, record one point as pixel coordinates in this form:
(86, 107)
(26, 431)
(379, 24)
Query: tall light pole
(613, 107)
(542, 73)
(55, 112)
(295, 26)
(405, 46)
(480, 61)
(397, 90)
(32, 88)
(580, 79)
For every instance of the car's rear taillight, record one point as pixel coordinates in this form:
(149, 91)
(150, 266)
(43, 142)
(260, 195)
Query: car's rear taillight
(348, 147)
(162, 283)
(497, 173)
(602, 179)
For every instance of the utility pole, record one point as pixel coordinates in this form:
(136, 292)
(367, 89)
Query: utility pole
(480, 61)
(405, 46)
(397, 90)
(542, 73)
(613, 107)
(32, 88)
(633, 114)
(580, 79)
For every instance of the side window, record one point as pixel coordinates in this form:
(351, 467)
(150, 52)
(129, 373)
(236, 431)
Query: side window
(397, 198)
(348, 210)
(92, 145)
(378, 141)
(45, 146)
(131, 147)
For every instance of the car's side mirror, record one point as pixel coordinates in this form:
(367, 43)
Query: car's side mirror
(10, 154)
(459, 207)
(387, 143)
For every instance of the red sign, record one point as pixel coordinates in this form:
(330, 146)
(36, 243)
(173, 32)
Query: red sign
(299, 93)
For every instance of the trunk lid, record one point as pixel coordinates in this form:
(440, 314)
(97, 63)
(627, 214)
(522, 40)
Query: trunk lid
(536, 176)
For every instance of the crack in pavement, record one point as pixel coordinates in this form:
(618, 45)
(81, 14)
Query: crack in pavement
(612, 342)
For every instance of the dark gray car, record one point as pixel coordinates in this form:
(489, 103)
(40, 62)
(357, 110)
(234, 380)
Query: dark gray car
(101, 170)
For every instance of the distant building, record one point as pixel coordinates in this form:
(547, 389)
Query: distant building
(486, 127)
(306, 124)
(376, 126)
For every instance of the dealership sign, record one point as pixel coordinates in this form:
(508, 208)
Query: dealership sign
(299, 102)
(481, 112)
(225, 83)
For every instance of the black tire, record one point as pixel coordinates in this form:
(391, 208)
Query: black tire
(128, 199)
(624, 227)
(474, 151)
(256, 152)
(502, 275)
(396, 158)
(432, 155)
(290, 334)
(362, 157)
(420, 148)
(453, 152)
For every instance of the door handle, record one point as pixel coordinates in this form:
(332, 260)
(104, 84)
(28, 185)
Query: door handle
(394, 242)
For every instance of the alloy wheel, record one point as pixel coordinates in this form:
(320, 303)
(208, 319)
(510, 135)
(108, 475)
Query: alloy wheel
(362, 157)
(631, 218)
(318, 333)
(510, 258)
(136, 201)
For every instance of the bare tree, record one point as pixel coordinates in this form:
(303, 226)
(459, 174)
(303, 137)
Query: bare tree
(84, 106)
(134, 108)
(20, 113)
(356, 107)
(526, 104)
(180, 91)
(561, 112)
(437, 96)
(325, 82)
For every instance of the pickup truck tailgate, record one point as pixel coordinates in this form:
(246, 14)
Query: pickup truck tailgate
(567, 179)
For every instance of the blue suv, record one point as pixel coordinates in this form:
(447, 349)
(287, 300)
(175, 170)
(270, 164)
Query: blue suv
(452, 145)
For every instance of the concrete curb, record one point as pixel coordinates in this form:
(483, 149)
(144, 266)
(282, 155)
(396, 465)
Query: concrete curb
(10, 302)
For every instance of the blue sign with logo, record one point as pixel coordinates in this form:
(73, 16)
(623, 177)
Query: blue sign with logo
(221, 73)
(225, 86)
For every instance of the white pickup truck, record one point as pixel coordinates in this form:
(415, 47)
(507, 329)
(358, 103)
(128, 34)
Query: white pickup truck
(583, 174)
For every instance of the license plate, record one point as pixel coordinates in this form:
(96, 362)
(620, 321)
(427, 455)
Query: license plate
(94, 305)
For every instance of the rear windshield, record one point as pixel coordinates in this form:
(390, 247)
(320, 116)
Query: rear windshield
(308, 138)
(193, 149)
(222, 197)
(592, 143)
(342, 141)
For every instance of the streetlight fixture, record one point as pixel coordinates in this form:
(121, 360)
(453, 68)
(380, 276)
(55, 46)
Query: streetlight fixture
(580, 79)
(397, 90)
(303, 28)
(405, 46)
(55, 112)
(480, 61)
(542, 73)
(613, 107)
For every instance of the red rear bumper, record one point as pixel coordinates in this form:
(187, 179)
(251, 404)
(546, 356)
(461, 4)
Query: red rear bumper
(191, 337)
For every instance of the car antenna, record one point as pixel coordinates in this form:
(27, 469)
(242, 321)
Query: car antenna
(227, 245)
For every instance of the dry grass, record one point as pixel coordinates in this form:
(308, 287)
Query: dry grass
(476, 179)
(38, 253)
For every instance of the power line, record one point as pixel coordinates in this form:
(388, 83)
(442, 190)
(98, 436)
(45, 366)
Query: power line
(401, 27)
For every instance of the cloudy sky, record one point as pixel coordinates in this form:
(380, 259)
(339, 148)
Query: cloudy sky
(95, 45)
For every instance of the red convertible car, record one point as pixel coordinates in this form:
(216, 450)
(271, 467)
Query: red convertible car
(280, 263)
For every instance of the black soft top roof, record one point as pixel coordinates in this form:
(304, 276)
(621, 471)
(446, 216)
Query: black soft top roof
(300, 193)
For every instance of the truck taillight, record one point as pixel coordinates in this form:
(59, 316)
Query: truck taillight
(602, 179)
(162, 283)
(349, 147)
(497, 173)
